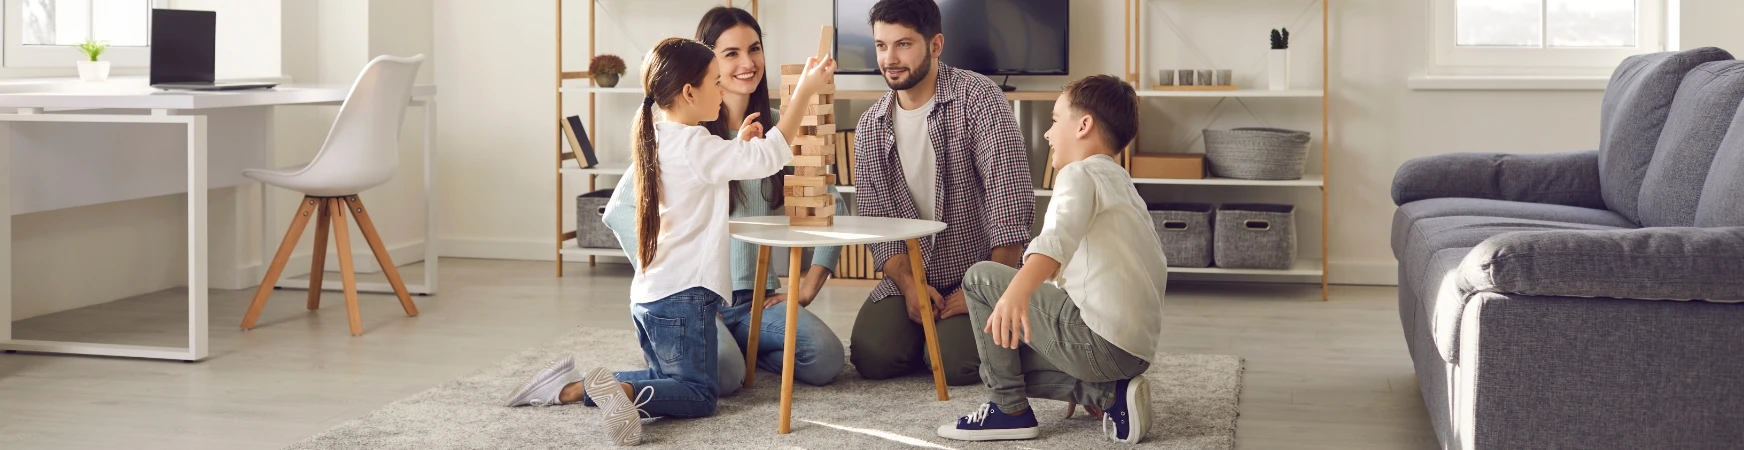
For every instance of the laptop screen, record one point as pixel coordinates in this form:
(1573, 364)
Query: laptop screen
(183, 46)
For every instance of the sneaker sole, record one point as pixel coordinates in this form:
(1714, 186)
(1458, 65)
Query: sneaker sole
(950, 431)
(1138, 399)
(622, 423)
(520, 395)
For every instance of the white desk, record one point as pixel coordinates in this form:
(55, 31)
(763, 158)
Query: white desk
(134, 103)
(774, 231)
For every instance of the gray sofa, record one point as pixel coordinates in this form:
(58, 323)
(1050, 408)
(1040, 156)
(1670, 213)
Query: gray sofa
(1587, 300)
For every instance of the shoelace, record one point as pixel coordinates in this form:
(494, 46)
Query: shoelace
(647, 391)
(979, 417)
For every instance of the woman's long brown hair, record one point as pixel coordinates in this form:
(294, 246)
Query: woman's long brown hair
(670, 66)
(715, 22)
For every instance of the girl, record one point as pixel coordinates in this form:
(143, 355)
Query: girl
(682, 173)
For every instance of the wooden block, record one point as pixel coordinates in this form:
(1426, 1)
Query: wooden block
(828, 130)
(815, 201)
(810, 171)
(787, 91)
(803, 139)
(811, 221)
(819, 119)
(818, 180)
(819, 109)
(789, 80)
(825, 98)
(792, 69)
(813, 161)
(803, 191)
(816, 149)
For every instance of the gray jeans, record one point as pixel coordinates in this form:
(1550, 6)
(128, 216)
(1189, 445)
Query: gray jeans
(1063, 360)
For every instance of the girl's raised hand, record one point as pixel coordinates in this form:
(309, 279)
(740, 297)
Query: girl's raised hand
(817, 73)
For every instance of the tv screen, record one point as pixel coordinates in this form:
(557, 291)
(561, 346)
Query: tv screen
(993, 37)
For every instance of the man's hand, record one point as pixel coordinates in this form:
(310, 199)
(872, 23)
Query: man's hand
(1010, 319)
(914, 305)
(954, 304)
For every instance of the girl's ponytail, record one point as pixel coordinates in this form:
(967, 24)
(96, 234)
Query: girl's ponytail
(671, 65)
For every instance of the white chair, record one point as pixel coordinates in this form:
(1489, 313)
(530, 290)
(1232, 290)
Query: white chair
(361, 152)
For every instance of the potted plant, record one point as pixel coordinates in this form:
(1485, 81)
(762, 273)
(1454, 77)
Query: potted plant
(93, 70)
(606, 69)
(1278, 61)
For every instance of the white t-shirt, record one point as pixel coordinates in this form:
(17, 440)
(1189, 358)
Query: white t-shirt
(695, 167)
(915, 149)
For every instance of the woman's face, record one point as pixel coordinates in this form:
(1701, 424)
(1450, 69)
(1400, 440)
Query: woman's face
(739, 52)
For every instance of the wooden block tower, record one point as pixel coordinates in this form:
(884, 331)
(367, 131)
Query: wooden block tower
(809, 203)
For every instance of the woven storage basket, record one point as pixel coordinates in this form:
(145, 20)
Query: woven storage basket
(1255, 236)
(1184, 229)
(590, 231)
(1256, 153)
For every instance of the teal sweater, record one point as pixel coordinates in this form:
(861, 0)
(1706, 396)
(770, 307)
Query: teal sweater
(622, 221)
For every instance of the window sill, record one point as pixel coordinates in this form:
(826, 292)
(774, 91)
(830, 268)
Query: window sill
(1506, 83)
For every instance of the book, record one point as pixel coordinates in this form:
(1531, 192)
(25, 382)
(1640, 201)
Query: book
(578, 142)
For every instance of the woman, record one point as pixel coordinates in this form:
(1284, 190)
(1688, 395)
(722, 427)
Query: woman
(737, 41)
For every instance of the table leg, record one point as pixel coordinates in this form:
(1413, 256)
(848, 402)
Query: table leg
(757, 295)
(916, 263)
(793, 276)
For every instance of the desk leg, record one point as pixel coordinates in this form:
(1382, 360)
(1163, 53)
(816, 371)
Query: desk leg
(916, 263)
(793, 277)
(197, 238)
(757, 295)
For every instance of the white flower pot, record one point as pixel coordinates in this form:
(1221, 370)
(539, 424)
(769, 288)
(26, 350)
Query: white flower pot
(1278, 69)
(93, 70)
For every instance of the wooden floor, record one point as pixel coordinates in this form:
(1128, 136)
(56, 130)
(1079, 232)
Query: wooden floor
(1320, 375)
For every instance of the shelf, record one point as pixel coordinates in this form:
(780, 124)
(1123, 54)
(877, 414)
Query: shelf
(600, 90)
(602, 169)
(1303, 267)
(568, 248)
(1306, 181)
(1038, 192)
(1292, 93)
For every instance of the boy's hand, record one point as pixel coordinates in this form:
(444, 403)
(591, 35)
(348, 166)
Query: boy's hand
(751, 129)
(1010, 319)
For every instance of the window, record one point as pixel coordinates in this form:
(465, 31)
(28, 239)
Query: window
(1555, 38)
(42, 33)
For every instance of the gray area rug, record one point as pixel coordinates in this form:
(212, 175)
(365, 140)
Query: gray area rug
(1195, 397)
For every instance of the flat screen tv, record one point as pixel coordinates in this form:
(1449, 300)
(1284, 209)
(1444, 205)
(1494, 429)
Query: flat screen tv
(993, 37)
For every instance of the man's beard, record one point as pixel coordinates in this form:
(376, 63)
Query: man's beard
(914, 76)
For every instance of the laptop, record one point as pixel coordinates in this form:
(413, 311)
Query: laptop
(184, 52)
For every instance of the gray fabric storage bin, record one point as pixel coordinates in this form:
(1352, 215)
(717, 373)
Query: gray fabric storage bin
(590, 230)
(1185, 232)
(1255, 236)
(1256, 153)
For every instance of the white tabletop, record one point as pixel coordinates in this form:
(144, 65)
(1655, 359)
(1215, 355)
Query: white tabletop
(132, 95)
(849, 230)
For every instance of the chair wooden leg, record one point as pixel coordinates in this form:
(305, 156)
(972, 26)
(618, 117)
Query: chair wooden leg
(342, 245)
(756, 314)
(361, 215)
(318, 260)
(795, 257)
(918, 264)
(289, 243)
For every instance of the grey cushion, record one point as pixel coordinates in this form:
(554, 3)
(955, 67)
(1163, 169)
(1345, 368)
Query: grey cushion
(1722, 203)
(1406, 216)
(1649, 263)
(1553, 178)
(1632, 116)
(1700, 115)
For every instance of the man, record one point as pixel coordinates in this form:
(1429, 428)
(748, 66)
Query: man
(942, 145)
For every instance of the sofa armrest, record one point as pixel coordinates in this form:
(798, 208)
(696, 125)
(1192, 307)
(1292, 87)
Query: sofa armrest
(1570, 178)
(1648, 264)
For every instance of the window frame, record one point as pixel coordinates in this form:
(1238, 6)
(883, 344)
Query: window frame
(1447, 58)
(18, 55)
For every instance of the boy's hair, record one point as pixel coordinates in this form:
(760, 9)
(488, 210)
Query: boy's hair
(1112, 103)
(921, 15)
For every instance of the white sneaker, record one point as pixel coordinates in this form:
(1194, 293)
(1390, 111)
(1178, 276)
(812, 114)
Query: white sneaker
(545, 386)
(623, 418)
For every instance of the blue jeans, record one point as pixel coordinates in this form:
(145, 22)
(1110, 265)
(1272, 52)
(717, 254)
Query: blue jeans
(677, 333)
(818, 357)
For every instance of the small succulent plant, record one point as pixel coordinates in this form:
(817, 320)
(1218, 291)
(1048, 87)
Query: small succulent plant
(606, 64)
(93, 49)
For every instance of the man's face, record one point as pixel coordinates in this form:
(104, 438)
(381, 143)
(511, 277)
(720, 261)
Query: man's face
(904, 56)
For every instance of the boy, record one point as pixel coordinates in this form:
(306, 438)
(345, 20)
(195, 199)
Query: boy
(1088, 337)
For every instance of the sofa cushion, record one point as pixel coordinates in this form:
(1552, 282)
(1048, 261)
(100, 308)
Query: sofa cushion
(1633, 114)
(1408, 214)
(1722, 203)
(1666, 263)
(1701, 112)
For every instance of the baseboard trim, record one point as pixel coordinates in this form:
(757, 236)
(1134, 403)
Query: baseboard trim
(362, 261)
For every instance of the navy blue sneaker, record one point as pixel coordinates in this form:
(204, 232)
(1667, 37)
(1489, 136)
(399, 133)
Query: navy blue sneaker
(1130, 417)
(991, 424)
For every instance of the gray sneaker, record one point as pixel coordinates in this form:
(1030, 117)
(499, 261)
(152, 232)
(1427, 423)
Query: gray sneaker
(623, 420)
(545, 386)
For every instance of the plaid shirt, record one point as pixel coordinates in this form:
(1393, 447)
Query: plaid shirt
(983, 193)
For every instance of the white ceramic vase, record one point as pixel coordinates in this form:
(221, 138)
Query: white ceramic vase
(1278, 69)
(93, 70)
